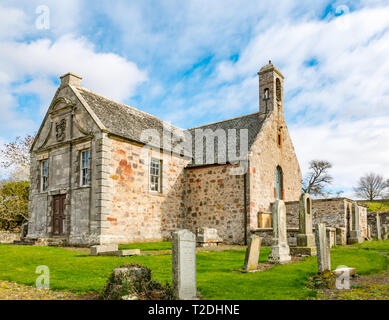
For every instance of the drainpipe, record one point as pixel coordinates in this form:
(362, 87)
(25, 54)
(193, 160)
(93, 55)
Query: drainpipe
(245, 206)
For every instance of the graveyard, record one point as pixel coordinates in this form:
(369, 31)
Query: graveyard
(76, 271)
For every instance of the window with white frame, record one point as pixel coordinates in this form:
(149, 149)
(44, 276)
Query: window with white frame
(155, 175)
(44, 175)
(84, 179)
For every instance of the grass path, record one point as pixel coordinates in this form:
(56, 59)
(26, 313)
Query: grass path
(81, 273)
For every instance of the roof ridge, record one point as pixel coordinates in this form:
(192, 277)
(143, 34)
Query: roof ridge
(208, 124)
(127, 106)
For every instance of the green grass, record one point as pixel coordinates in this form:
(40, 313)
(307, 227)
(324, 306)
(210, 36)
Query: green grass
(80, 272)
(377, 206)
(148, 246)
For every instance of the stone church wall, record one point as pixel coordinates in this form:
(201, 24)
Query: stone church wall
(133, 213)
(215, 199)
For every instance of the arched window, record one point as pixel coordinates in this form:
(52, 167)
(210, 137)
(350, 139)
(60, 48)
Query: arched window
(266, 94)
(279, 184)
(278, 89)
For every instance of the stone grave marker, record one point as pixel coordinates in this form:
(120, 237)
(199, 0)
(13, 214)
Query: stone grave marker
(252, 253)
(386, 232)
(341, 238)
(280, 252)
(96, 250)
(305, 238)
(184, 265)
(355, 234)
(378, 220)
(323, 252)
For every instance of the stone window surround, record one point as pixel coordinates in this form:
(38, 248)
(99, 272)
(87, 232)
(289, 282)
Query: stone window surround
(41, 159)
(81, 152)
(160, 185)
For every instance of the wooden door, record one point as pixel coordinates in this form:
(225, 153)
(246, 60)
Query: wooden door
(58, 214)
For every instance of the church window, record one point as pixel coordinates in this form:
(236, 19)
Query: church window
(279, 139)
(279, 184)
(155, 175)
(266, 94)
(44, 175)
(85, 168)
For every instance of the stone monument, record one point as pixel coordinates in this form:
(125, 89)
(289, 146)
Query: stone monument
(378, 220)
(386, 232)
(184, 265)
(252, 253)
(323, 252)
(280, 252)
(355, 234)
(305, 238)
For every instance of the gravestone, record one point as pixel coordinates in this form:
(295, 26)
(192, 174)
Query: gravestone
(184, 265)
(96, 250)
(341, 238)
(121, 253)
(305, 238)
(208, 237)
(386, 232)
(280, 252)
(252, 253)
(355, 234)
(323, 252)
(368, 233)
(331, 236)
(378, 220)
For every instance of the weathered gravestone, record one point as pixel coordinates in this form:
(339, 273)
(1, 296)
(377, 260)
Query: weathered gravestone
(252, 253)
(184, 265)
(378, 221)
(96, 250)
(368, 233)
(355, 234)
(305, 238)
(208, 237)
(323, 252)
(280, 252)
(386, 232)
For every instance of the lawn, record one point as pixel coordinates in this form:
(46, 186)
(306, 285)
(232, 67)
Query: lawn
(80, 272)
(148, 246)
(377, 206)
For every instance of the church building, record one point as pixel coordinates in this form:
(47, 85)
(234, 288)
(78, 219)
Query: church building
(103, 172)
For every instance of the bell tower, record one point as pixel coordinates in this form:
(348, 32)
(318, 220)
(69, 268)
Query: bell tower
(271, 89)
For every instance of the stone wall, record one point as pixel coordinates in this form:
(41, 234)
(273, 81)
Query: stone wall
(264, 158)
(215, 199)
(134, 213)
(371, 220)
(9, 237)
(332, 212)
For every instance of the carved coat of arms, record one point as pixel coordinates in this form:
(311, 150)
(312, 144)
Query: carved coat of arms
(60, 130)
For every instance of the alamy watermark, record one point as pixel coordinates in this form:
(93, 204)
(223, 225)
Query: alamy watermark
(43, 281)
(42, 22)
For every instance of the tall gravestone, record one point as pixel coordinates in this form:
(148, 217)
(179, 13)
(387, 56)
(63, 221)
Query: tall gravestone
(386, 232)
(355, 234)
(252, 253)
(378, 221)
(305, 238)
(184, 265)
(323, 251)
(280, 252)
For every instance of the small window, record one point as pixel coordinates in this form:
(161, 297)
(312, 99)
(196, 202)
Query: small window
(44, 175)
(279, 139)
(155, 175)
(278, 89)
(85, 168)
(266, 94)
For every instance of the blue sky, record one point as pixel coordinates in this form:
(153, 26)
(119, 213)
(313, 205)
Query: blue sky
(194, 62)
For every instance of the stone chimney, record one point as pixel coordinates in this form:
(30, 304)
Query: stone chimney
(70, 79)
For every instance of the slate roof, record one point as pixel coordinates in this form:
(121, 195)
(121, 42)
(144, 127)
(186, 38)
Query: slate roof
(129, 122)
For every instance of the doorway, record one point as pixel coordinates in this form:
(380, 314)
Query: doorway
(58, 214)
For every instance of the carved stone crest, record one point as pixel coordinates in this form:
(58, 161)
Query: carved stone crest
(60, 130)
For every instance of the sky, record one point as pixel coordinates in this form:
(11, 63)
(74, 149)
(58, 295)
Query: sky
(196, 61)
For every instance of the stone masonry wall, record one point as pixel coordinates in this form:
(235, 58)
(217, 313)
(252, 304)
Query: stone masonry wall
(9, 237)
(332, 212)
(215, 199)
(265, 156)
(134, 213)
(372, 222)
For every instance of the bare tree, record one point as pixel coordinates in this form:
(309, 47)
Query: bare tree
(371, 186)
(317, 178)
(15, 157)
